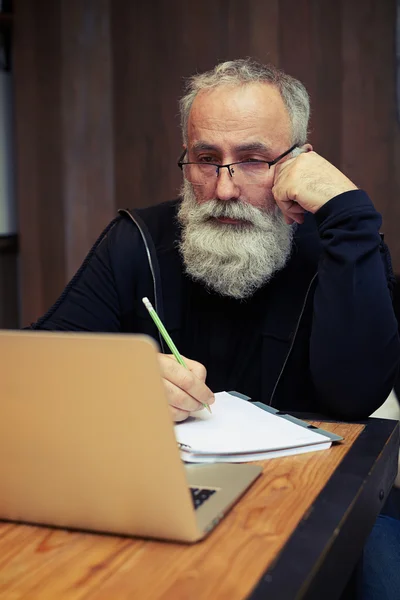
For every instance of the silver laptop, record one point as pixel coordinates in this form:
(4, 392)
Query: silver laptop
(87, 441)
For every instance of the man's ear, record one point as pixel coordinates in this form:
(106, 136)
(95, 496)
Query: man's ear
(301, 149)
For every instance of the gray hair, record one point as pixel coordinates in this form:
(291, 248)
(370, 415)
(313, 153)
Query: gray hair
(243, 71)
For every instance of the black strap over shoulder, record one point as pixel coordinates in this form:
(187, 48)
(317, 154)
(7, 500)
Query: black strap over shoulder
(152, 259)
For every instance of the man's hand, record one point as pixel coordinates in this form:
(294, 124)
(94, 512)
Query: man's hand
(305, 183)
(186, 388)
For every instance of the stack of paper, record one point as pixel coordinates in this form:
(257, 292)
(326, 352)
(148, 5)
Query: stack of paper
(239, 431)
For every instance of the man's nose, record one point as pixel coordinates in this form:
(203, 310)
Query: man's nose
(226, 187)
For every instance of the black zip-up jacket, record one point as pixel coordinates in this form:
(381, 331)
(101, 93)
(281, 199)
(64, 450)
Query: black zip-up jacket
(330, 337)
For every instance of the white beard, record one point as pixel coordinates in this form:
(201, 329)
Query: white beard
(233, 260)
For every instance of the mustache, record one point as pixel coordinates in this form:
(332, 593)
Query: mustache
(201, 214)
(235, 209)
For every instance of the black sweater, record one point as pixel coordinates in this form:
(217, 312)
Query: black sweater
(320, 336)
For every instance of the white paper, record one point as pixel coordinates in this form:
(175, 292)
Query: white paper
(238, 427)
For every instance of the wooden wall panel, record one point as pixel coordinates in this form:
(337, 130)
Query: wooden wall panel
(326, 100)
(97, 86)
(64, 138)
(264, 27)
(369, 118)
(148, 52)
(37, 61)
(312, 53)
(87, 125)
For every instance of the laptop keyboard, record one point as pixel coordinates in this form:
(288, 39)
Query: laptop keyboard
(200, 495)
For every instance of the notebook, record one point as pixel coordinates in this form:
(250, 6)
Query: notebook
(241, 431)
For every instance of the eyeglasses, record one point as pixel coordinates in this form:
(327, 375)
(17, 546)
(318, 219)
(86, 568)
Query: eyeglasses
(250, 172)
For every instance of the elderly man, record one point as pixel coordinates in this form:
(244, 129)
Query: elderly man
(269, 272)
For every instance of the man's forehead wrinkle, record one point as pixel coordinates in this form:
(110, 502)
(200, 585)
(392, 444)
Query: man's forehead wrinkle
(217, 109)
(226, 117)
(239, 129)
(227, 124)
(224, 114)
(242, 115)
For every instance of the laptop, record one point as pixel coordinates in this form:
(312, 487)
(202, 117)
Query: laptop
(87, 441)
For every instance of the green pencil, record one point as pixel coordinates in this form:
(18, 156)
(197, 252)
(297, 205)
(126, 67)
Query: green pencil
(166, 337)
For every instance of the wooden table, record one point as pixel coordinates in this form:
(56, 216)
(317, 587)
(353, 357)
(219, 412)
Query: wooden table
(297, 533)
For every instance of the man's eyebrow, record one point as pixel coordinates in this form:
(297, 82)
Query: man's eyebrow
(253, 147)
(200, 146)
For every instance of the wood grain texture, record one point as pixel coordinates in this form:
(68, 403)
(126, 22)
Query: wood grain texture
(368, 93)
(64, 140)
(87, 125)
(37, 59)
(42, 563)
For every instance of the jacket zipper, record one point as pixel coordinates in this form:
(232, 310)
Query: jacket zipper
(293, 339)
(127, 212)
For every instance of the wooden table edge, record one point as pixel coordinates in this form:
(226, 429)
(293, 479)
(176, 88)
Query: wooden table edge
(319, 557)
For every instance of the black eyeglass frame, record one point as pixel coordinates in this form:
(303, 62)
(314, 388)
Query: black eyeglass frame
(270, 163)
